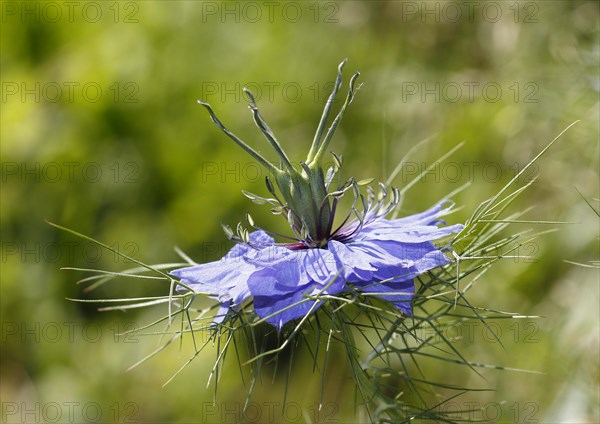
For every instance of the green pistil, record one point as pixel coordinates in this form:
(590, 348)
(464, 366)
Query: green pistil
(307, 205)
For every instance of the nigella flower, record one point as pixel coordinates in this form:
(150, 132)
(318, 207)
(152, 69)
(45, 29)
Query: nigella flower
(366, 254)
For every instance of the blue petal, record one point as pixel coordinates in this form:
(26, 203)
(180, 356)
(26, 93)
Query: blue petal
(287, 279)
(321, 266)
(388, 254)
(401, 293)
(428, 217)
(221, 313)
(411, 259)
(409, 233)
(360, 260)
(282, 264)
(278, 310)
(294, 268)
(226, 278)
(258, 240)
(408, 267)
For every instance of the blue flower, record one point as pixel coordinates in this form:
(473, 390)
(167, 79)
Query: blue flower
(367, 253)
(382, 258)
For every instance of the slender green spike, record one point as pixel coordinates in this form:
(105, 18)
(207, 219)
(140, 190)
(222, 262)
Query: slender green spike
(249, 219)
(305, 168)
(400, 166)
(269, 184)
(337, 193)
(355, 189)
(525, 168)
(329, 177)
(116, 252)
(365, 182)
(291, 219)
(365, 204)
(249, 195)
(323, 147)
(266, 130)
(337, 159)
(241, 143)
(315, 144)
(588, 202)
(228, 231)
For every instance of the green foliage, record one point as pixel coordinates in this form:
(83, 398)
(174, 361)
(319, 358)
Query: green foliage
(143, 170)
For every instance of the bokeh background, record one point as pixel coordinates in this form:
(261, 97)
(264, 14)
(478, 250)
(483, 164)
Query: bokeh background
(101, 133)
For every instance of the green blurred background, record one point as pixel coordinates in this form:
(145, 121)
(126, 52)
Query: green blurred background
(101, 133)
